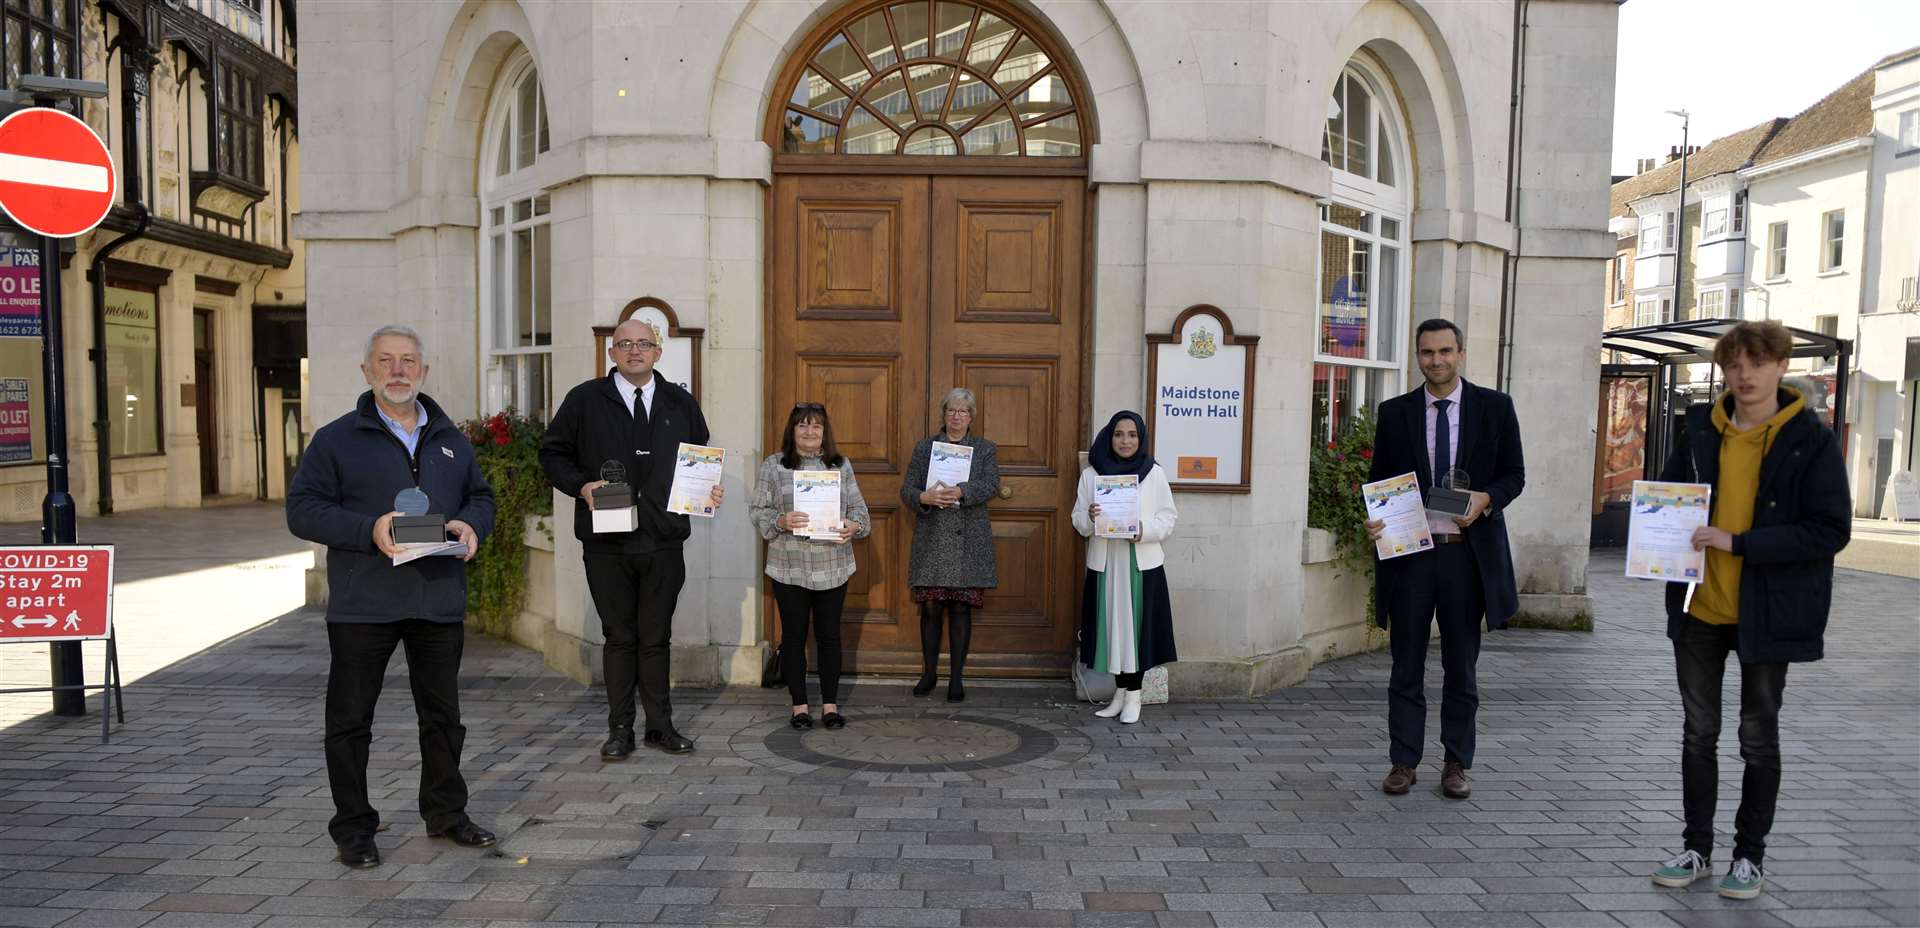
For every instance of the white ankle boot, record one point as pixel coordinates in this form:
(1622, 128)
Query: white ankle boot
(1130, 713)
(1113, 708)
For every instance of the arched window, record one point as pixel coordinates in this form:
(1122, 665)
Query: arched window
(928, 77)
(1360, 352)
(516, 248)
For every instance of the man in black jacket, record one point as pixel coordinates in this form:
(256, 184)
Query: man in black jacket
(638, 420)
(1446, 425)
(1780, 511)
(343, 497)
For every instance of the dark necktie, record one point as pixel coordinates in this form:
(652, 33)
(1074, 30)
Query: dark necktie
(640, 410)
(1442, 441)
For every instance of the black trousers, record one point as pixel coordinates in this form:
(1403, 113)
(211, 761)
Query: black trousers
(1129, 681)
(1700, 658)
(360, 653)
(635, 595)
(796, 604)
(1445, 585)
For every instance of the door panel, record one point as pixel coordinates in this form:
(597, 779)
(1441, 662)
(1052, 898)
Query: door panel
(886, 292)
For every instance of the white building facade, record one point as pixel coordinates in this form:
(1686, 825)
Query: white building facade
(867, 203)
(1889, 323)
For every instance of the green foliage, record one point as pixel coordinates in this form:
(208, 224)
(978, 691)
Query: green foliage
(1336, 470)
(507, 446)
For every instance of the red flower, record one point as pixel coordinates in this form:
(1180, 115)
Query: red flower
(1366, 454)
(500, 438)
(1329, 446)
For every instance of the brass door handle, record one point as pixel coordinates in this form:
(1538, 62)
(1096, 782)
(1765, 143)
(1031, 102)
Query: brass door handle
(1006, 492)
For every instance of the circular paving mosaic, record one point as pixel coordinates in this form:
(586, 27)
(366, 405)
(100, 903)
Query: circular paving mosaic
(921, 743)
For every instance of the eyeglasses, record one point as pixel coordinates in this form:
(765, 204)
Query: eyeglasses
(810, 407)
(628, 344)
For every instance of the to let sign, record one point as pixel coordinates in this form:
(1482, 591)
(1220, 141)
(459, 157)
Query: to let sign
(56, 592)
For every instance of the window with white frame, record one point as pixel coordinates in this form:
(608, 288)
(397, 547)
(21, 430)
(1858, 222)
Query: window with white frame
(1716, 224)
(1652, 311)
(1776, 251)
(1733, 303)
(1740, 213)
(1711, 304)
(1650, 233)
(1360, 342)
(1910, 130)
(1667, 220)
(516, 252)
(1619, 279)
(1833, 237)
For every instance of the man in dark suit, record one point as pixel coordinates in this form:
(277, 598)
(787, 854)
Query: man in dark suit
(636, 418)
(1446, 425)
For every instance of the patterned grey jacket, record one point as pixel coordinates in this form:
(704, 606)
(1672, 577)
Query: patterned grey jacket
(953, 547)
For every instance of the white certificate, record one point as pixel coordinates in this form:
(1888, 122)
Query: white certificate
(816, 494)
(950, 465)
(1660, 531)
(417, 550)
(696, 470)
(1396, 501)
(1119, 499)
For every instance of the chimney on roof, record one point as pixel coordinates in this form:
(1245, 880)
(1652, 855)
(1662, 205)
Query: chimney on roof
(1643, 165)
(1673, 154)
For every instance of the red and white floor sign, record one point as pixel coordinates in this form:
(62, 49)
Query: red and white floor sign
(56, 592)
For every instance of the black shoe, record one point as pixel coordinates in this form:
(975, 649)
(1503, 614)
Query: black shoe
(801, 721)
(619, 745)
(834, 720)
(956, 692)
(360, 853)
(925, 686)
(467, 834)
(669, 741)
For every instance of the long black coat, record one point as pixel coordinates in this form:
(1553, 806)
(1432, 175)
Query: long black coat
(592, 426)
(1490, 454)
(953, 547)
(347, 480)
(1802, 517)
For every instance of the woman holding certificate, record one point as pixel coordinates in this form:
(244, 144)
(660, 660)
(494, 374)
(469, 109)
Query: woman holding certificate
(952, 476)
(808, 507)
(1124, 508)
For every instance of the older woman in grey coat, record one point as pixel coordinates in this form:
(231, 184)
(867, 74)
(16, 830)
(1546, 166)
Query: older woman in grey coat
(952, 564)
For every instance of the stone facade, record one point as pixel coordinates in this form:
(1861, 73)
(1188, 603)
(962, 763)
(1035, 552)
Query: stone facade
(1206, 174)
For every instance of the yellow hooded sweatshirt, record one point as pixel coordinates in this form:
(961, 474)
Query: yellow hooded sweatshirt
(1717, 602)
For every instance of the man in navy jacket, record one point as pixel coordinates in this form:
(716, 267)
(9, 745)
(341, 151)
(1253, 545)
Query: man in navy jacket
(343, 497)
(1446, 425)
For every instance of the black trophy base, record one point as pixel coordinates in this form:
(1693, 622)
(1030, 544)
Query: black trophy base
(613, 496)
(419, 530)
(1447, 502)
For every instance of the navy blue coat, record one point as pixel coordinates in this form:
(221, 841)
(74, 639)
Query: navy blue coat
(1490, 454)
(347, 481)
(1802, 517)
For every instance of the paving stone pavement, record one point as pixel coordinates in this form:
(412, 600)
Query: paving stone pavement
(208, 809)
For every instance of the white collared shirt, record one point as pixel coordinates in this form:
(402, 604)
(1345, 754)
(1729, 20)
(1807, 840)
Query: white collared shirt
(627, 390)
(1441, 525)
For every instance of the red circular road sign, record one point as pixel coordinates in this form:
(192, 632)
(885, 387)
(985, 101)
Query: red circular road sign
(56, 176)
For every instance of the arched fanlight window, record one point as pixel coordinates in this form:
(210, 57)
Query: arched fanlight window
(516, 248)
(928, 77)
(1360, 349)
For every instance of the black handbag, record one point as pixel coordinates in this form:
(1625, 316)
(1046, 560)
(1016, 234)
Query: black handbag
(770, 675)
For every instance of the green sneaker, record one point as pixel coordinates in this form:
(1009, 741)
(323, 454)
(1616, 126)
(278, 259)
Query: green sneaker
(1743, 881)
(1682, 870)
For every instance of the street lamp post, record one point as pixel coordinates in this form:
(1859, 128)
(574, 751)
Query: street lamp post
(1680, 212)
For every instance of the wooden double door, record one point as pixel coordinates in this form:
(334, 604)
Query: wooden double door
(889, 291)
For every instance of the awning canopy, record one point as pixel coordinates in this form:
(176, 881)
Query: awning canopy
(1691, 342)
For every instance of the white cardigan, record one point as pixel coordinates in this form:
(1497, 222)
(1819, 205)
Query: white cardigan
(1157, 515)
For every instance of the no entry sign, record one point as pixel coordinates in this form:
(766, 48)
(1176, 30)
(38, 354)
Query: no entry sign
(56, 176)
(56, 592)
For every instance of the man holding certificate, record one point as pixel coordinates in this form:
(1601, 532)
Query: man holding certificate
(807, 505)
(637, 420)
(1462, 443)
(395, 456)
(1779, 512)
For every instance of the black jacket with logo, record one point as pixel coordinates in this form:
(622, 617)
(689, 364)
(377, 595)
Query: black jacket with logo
(347, 480)
(593, 426)
(1802, 517)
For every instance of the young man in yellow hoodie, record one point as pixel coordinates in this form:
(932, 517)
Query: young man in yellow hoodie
(1780, 512)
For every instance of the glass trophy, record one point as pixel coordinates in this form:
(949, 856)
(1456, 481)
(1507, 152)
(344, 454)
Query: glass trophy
(414, 525)
(613, 504)
(1450, 497)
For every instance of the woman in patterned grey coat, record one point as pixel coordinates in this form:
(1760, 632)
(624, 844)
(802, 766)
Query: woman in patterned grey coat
(952, 564)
